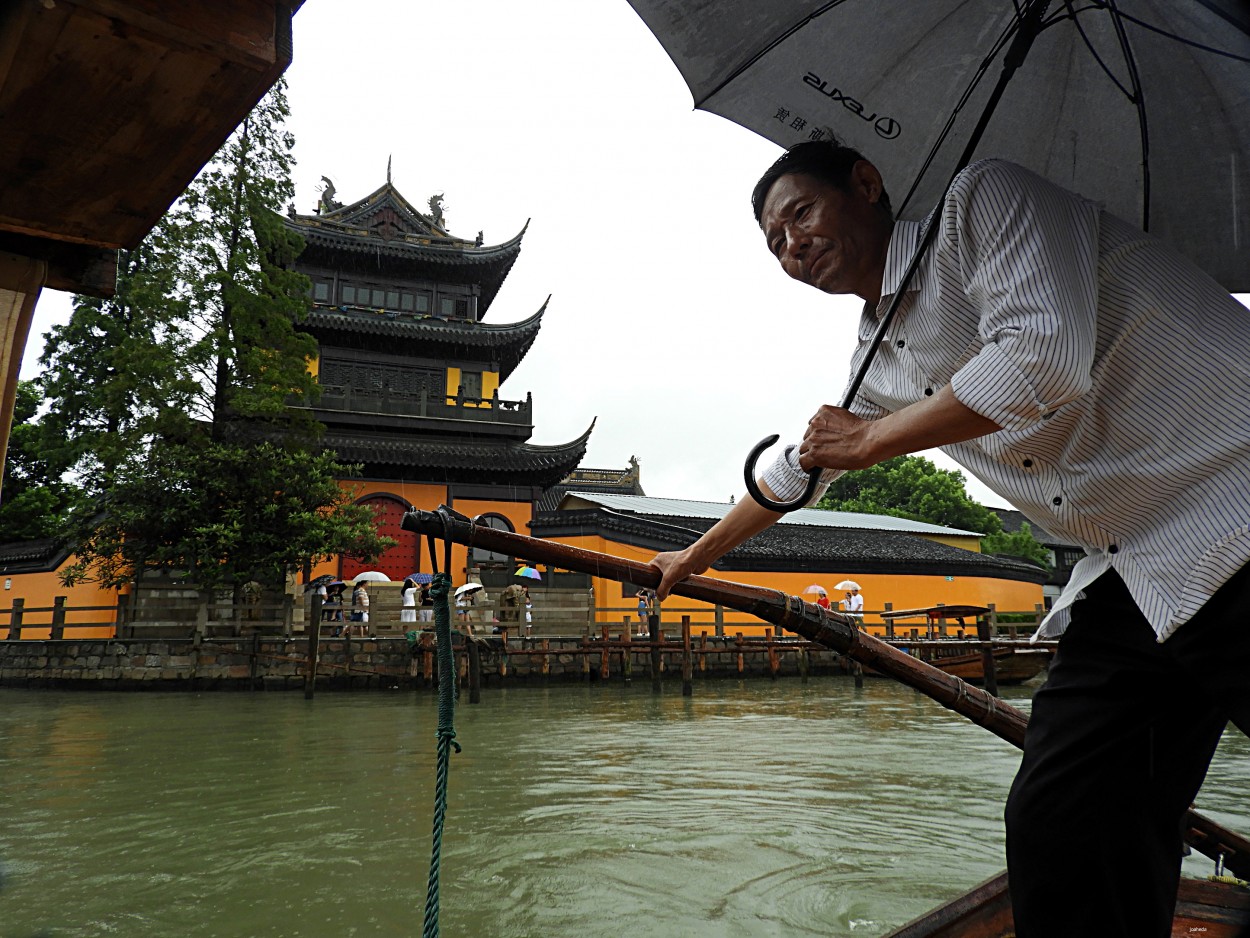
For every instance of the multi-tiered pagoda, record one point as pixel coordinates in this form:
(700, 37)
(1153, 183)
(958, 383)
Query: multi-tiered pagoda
(410, 373)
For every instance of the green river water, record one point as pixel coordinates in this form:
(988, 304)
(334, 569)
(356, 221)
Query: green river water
(752, 809)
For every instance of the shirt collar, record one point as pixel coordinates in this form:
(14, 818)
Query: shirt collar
(903, 242)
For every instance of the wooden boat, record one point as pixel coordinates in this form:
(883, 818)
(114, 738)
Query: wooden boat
(1012, 665)
(1210, 909)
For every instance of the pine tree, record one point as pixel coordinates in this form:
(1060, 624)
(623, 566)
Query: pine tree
(179, 398)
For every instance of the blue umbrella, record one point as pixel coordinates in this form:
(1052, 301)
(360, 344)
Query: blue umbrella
(420, 578)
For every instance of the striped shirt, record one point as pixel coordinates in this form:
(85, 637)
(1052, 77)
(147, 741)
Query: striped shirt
(1119, 372)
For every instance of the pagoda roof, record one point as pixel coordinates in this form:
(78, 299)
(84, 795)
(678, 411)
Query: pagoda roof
(351, 326)
(383, 231)
(793, 546)
(482, 460)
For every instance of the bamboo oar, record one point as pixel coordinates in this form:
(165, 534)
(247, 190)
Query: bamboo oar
(815, 623)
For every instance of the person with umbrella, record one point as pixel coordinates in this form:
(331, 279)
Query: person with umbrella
(854, 603)
(1098, 380)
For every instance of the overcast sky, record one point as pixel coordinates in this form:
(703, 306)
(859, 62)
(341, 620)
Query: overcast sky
(669, 321)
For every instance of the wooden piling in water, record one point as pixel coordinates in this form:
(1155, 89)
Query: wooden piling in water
(545, 667)
(586, 655)
(474, 654)
(314, 647)
(741, 661)
(605, 659)
(653, 626)
(703, 652)
(627, 657)
(687, 665)
(988, 663)
(774, 663)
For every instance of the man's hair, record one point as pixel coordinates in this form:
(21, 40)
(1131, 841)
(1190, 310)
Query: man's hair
(827, 160)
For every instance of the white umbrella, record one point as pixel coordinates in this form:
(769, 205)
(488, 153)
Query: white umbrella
(372, 576)
(847, 585)
(818, 589)
(468, 588)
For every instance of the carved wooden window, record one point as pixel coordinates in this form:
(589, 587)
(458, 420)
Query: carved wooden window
(471, 381)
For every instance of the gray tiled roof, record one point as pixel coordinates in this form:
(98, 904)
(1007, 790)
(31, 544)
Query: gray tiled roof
(684, 508)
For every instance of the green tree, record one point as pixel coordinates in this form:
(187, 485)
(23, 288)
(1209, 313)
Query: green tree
(180, 397)
(114, 374)
(1020, 543)
(913, 487)
(38, 503)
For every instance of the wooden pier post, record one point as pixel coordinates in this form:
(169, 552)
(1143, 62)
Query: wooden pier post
(427, 658)
(586, 654)
(803, 664)
(774, 664)
(254, 665)
(503, 655)
(889, 623)
(653, 626)
(58, 619)
(858, 670)
(605, 659)
(703, 652)
(15, 619)
(988, 664)
(687, 664)
(741, 661)
(627, 656)
(475, 670)
(314, 647)
(544, 667)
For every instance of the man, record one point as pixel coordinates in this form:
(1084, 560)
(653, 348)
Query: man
(1100, 382)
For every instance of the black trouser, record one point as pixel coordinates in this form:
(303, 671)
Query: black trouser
(1119, 740)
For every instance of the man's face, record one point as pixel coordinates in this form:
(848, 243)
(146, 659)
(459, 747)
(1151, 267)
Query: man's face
(828, 238)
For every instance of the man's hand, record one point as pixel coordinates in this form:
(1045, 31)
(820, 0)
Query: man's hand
(836, 439)
(675, 567)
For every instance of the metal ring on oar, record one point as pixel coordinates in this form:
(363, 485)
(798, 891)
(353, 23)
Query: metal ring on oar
(813, 481)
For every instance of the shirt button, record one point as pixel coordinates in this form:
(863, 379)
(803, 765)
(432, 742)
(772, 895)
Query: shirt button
(1056, 500)
(899, 344)
(1028, 464)
(928, 392)
(1113, 549)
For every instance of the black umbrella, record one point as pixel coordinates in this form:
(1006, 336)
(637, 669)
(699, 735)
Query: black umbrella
(1139, 104)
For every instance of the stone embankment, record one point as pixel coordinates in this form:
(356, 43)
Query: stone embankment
(262, 662)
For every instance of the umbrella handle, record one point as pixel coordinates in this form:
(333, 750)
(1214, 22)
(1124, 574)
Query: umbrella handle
(813, 481)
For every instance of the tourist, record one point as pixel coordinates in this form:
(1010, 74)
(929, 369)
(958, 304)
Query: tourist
(360, 609)
(426, 613)
(408, 600)
(854, 603)
(1096, 379)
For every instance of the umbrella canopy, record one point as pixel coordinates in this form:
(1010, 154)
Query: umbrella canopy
(468, 588)
(372, 576)
(847, 585)
(420, 578)
(1130, 104)
(324, 580)
(529, 573)
(816, 588)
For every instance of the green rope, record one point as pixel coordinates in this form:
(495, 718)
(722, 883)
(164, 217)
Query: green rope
(440, 590)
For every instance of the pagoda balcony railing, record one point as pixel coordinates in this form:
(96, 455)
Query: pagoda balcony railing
(424, 404)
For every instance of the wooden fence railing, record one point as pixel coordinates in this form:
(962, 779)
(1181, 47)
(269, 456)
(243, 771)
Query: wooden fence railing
(181, 617)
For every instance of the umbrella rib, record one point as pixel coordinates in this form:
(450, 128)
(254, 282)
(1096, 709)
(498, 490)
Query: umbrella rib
(1007, 33)
(776, 41)
(1168, 34)
(1139, 101)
